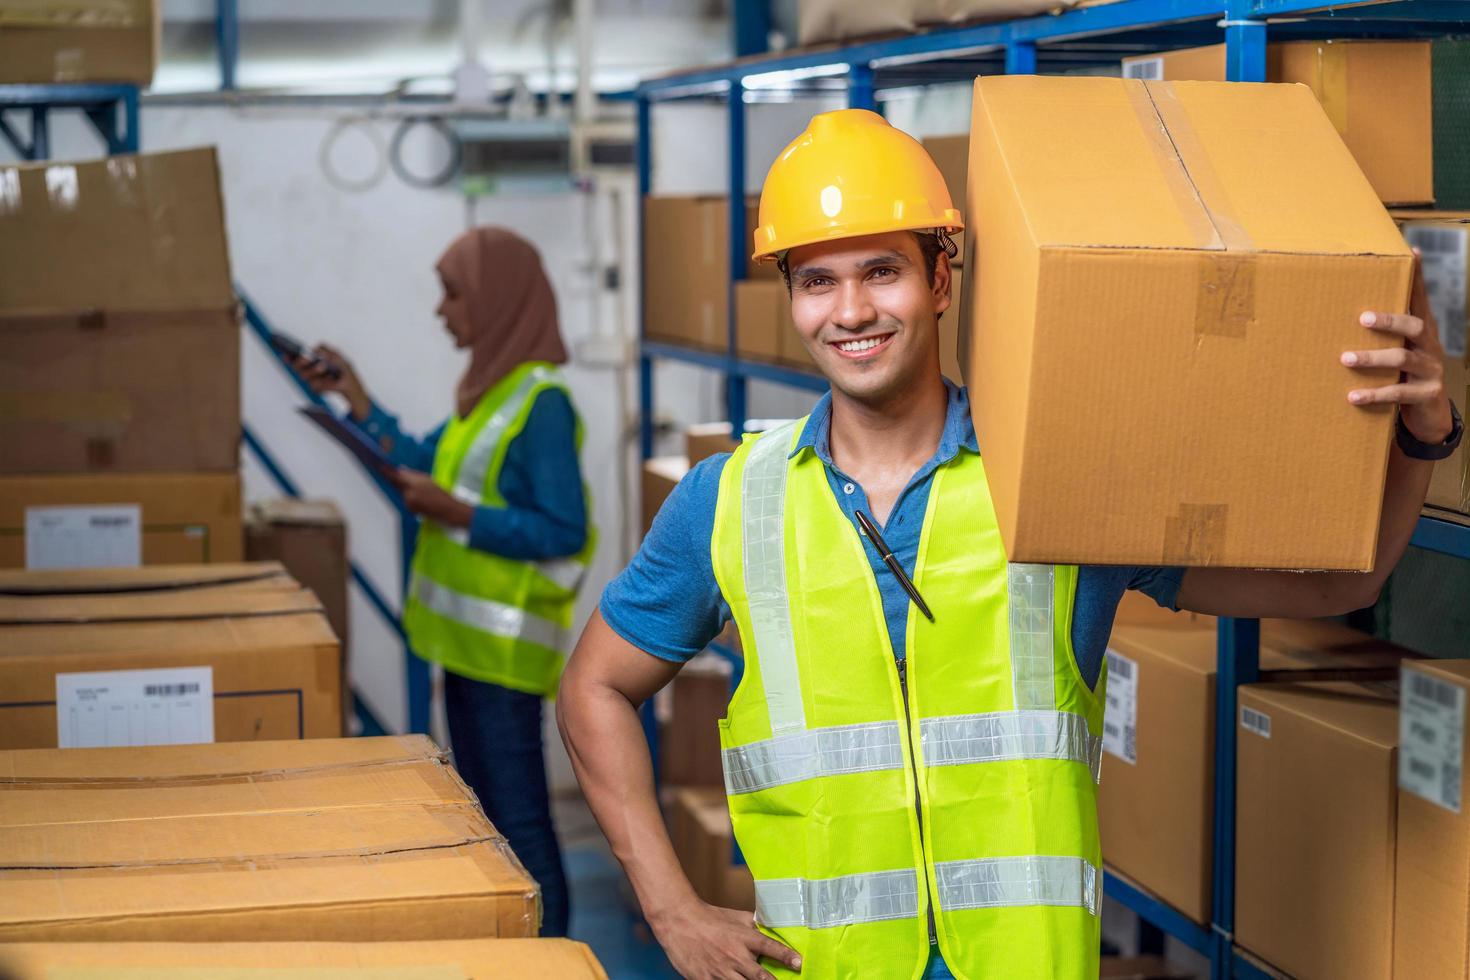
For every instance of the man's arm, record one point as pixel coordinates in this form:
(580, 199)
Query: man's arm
(605, 681)
(1424, 409)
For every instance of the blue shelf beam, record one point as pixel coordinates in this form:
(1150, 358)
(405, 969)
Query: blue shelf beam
(1148, 908)
(745, 369)
(112, 110)
(1445, 537)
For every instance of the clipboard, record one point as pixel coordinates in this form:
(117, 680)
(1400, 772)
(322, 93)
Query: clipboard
(352, 438)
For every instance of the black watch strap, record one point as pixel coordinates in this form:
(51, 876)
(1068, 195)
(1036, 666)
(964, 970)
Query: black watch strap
(1414, 449)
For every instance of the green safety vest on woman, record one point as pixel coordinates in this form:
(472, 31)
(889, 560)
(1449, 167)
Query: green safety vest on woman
(877, 803)
(481, 615)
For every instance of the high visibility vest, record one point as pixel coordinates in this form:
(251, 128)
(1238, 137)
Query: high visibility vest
(481, 615)
(878, 802)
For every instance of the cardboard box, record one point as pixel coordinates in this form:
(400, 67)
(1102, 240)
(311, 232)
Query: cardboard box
(699, 825)
(523, 959)
(1432, 874)
(152, 578)
(309, 539)
(708, 439)
(1443, 238)
(690, 754)
(660, 476)
(1156, 799)
(1316, 805)
(341, 840)
(820, 21)
(952, 155)
(117, 315)
(1140, 968)
(1378, 94)
(272, 664)
(184, 518)
(79, 41)
(1236, 255)
(762, 319)
(686, 269)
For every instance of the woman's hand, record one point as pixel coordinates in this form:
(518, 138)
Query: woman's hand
(316, 373)
(427, 499)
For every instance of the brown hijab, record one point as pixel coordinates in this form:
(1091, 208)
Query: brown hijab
(508, 305)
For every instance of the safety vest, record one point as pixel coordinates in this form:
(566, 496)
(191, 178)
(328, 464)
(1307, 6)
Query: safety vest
(877, 802)
(481, 615)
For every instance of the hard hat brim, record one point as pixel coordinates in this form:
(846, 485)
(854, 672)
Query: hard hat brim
(772, 249)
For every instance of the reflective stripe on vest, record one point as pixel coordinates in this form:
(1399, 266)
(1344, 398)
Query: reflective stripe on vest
(486, 615)
(1015, 881)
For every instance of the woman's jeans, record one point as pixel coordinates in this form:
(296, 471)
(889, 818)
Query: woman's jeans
(496, 736)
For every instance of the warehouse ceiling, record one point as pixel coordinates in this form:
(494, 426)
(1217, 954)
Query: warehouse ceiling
(367, 46)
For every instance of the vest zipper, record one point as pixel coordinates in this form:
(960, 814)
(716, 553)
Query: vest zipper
(903, 686)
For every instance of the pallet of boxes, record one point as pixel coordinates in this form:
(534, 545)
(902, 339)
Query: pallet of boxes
(693, 785)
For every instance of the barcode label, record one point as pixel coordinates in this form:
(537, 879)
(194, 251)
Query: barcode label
(1120, 720)
(1445, 260)
(1148, 69)
(169, 690)
(1255, 721)
(1431, 738)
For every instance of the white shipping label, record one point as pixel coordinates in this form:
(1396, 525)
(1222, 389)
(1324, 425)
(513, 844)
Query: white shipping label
(1445, 255)
(84, 537)
(1431, 738)
(1149, 69)
(1255, 721)
(106, 709)
(1120, 721)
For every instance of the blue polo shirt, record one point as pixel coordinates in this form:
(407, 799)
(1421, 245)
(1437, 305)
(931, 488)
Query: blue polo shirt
(667, 603)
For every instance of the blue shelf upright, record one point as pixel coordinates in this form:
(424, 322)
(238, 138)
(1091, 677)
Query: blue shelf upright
(111, 109)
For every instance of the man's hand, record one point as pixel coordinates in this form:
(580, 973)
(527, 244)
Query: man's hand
(710, 943)
(427, 499)
(1420, 393)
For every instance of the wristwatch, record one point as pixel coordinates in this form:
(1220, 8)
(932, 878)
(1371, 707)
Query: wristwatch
(1414, 449)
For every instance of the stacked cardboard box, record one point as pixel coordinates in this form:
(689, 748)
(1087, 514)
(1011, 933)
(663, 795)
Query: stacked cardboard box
(79, 41)
(120, 386)
(686, 269)
(1380, 95)
(699, 825)
(1156, 799)
(164, 655)
(1443, 240)
(327, 840)
(529, 959)
(1236, 255)
(820, 21)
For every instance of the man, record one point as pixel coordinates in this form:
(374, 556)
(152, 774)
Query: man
(914, 796)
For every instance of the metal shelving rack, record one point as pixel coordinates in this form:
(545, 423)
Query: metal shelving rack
(1086, 37)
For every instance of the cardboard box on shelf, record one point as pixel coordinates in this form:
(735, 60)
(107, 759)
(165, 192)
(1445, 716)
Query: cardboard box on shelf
(309, 539)
(762, 319)
(1140, 968)
(686, 269)
(1156, 798)
(170, 665)
(1432, 873)
(1197, 277)
(821, 21)
(150, 578)
(1443, 239)
(706, 439)
(1316, 820)
(952, 155)
(699, 825)
(690, 755)
(79, 41)
(119, 519)
(118, 319)
(534, 959)
(660, 475)
(1378, 94)
(334, 840)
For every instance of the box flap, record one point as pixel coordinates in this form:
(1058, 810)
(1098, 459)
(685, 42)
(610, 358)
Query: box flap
(222, 760)
(127, 233)
(252, 633)
(1130, 164)
(1366, 712)
(1406, 215)
(174, 605)
(293, 510)
(74, 14)
(147, 578)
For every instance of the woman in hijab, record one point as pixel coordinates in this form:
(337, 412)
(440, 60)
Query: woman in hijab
(504, 537)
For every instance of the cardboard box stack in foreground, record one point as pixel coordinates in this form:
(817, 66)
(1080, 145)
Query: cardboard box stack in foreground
(355, 840)
(120, 386)
(1380, 95)
(1235, 255)
(524, 959)
(158, 655)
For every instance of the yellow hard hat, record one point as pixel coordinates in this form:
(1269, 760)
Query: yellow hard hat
(848, 174)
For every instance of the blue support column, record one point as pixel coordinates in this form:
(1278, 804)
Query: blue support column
(740, 248)
(40, 134)
(752, 24)
(128, 140)
(1021, 58)
(1238, 662)
(1245, 44)
(645, 364)
(227, 41)
(860, 91)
